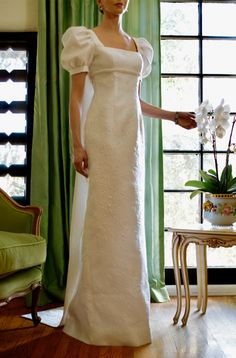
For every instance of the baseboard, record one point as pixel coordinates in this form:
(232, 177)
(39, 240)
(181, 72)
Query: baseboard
(213, 290)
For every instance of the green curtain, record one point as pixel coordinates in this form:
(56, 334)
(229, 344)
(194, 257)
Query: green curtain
(52, 172)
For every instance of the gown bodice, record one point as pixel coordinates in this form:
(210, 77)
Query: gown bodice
(84, 52)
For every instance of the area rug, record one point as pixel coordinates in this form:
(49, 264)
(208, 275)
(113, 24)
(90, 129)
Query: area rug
(51, 317)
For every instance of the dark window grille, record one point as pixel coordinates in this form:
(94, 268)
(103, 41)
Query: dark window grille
(17, 87)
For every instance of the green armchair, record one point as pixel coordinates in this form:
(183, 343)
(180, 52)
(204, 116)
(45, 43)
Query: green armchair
(22, 252)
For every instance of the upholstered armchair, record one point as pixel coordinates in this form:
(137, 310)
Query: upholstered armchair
(22, 252)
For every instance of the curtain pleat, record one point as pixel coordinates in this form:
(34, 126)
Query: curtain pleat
(52, 172)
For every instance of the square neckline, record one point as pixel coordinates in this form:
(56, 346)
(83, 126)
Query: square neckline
(116, 48)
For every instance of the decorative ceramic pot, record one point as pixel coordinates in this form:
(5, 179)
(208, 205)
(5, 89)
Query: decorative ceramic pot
(220, 209)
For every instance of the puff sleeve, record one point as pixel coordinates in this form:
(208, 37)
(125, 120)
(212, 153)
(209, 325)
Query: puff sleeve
(77, 53)
(146, 52)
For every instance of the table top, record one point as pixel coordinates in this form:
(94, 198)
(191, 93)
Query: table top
(203, 228)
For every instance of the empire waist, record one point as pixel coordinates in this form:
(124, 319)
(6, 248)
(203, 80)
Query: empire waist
(116, 86)
(115, 70)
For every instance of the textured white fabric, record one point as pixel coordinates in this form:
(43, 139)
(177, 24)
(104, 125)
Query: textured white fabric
(107, 296)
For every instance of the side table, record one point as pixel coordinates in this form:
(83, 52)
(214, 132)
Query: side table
(202, 235)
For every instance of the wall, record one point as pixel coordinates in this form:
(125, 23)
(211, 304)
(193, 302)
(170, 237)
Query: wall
(18, 15)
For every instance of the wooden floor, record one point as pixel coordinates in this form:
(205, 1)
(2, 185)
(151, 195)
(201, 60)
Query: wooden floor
(212, 335)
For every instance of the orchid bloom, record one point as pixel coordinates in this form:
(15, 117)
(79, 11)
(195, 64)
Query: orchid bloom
(221, 117)
(233, 148)
(212, 122)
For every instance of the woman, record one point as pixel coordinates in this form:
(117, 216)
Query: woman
(107, 296)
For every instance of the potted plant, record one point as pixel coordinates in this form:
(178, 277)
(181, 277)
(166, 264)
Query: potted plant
(219, 188)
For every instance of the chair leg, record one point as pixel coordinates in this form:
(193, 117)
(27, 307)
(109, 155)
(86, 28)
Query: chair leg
(35, 297)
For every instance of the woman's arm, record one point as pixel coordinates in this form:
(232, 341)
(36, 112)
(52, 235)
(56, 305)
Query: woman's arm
(184, 119)
(80, 158)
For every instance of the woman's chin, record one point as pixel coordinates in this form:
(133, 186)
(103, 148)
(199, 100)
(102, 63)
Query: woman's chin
(118, 11)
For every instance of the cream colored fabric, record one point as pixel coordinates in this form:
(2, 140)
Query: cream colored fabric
(107, 297)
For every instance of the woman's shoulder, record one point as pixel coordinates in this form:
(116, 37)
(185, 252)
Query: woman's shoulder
(146, 51)
(143, 44)
(78, 49)
(76, 34)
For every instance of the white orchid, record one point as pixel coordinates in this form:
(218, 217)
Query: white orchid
(233, 148)
(222, 115)
(211, 123)
(220, 131)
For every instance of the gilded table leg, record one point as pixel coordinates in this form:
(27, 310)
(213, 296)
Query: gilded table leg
(203, 249)
(199, 277)
(175, 257)
(183, 251)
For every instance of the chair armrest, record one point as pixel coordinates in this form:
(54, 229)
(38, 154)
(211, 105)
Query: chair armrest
(17, 218)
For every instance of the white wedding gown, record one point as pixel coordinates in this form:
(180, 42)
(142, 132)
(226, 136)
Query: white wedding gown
(107, 295)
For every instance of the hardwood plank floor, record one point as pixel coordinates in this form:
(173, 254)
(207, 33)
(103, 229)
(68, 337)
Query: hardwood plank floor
(212, 335)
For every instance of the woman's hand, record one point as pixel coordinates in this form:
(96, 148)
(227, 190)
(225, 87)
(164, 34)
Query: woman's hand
(80, 161)
(187, 120)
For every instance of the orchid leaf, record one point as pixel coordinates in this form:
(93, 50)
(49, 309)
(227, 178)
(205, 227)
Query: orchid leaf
(232, 182)
(232, 189)
(196, 192)
(225, 179)
(202, 185)
(211, 182)
(208, 178)
(211, 171)
(195, 184)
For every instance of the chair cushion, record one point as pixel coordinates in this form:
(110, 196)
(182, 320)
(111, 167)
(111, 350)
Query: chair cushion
(19, 282)
(20, 251)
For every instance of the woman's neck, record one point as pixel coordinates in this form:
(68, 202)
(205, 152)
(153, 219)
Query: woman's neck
(112, 23)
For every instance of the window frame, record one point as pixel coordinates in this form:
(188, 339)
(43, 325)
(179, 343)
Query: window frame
(216, 275)
(26, 41)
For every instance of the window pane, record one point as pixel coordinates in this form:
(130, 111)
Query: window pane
(217, 88)
(176, 138)
(12, 123)
(13, 60)
(180, 94)
(179, 19)
(14, 186)
(179, 56)
(13, 91)
(179, 208)
(221, 257)
(178, 168)
(219, 57)
(12, 154)
(219, 19)
(191, 257)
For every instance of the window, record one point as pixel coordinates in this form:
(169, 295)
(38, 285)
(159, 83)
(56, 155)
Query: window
(17, 82)
(198, 46)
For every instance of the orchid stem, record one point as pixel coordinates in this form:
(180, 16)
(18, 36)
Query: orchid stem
(228, 150)
(215, 155)
(229, 144)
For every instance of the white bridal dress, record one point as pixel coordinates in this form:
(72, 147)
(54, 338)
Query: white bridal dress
(107, 295)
